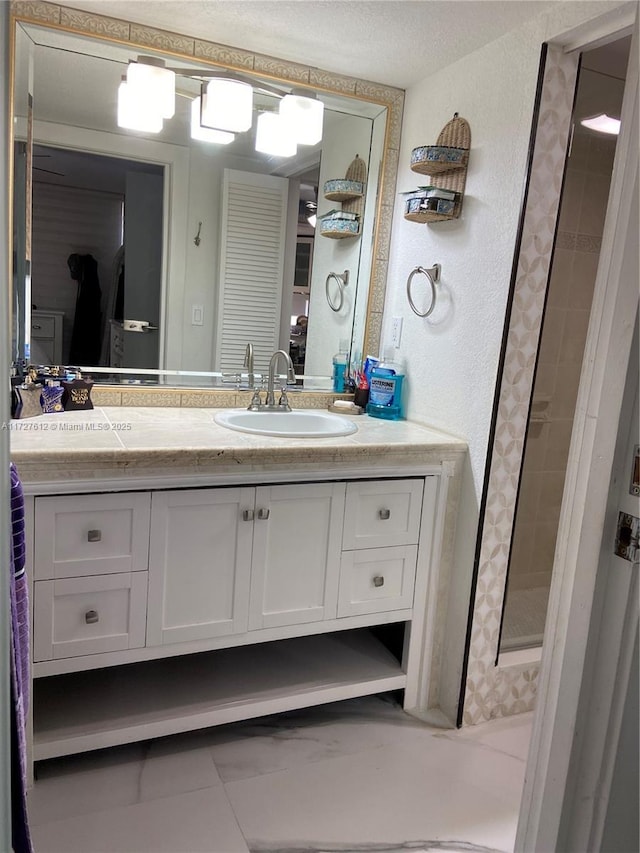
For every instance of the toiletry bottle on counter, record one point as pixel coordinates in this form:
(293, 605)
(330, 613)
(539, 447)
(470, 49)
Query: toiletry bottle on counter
(51, 397)
(385, 389)
(340, 365)
(77, 394)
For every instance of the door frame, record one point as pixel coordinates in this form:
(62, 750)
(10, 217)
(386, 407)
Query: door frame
(573, 615)
(494, 686)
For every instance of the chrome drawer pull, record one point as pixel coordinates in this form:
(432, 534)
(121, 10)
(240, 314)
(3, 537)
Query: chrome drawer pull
(385, 514)
(378, 580)
(263, 514)
(247, 515)
(91, 617)
(94, 536)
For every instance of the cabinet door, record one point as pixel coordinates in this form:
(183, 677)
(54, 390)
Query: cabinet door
(296, 554)
(199, 563)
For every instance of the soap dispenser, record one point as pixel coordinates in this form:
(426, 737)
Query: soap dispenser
(385, 388)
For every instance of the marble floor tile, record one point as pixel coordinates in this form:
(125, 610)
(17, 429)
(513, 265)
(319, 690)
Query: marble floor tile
(107, 779)
(387, 795)
(196, 822)
(359, 776)
(510, 735)
(77, 784)
(287, 740)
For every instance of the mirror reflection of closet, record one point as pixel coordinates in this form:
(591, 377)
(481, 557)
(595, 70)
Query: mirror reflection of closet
(559, 361)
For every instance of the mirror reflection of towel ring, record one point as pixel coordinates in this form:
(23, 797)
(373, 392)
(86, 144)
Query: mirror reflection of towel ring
(433, 275)
(342, 281)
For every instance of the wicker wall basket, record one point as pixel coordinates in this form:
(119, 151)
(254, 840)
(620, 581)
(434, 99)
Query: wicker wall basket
(447, 161)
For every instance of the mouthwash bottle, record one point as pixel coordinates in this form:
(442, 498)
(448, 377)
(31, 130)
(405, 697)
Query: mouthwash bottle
(340, 366)
(385, 389)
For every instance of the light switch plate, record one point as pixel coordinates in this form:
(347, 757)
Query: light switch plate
(197, 315)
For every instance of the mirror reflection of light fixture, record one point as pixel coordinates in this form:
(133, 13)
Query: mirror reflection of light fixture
(205, 134)
(304, 114)
(602, 123)
(153, 84)
(136, 114)
(273, 136)
(227, 104)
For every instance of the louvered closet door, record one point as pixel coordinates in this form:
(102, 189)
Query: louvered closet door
(254, 210)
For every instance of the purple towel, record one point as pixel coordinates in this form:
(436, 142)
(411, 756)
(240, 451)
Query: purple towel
(19, 594)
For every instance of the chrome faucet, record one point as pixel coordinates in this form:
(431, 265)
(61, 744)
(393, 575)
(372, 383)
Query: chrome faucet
(283, 402)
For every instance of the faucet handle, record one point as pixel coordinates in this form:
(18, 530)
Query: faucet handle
(256, 402)
(283, 402)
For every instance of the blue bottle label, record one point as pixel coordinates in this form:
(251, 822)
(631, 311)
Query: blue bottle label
(382, 389)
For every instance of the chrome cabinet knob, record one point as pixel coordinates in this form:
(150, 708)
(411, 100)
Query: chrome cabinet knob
(91, 617)
(385, 514)
(247, 515)
(94, 535)
(263, 514)
(378, 580)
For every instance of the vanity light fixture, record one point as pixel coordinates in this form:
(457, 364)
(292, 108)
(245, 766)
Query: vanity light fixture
(273, 136)
(151, 81)
(136, 114)
(602, 123)
(206, 134)
(227, 104)
(304, 115)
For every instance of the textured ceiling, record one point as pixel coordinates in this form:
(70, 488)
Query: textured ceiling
(396, 42)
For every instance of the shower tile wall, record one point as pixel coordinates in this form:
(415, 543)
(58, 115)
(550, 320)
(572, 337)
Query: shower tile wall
(563, 339)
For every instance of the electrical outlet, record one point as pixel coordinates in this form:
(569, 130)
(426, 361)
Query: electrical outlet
(197, 315)
(396, 331)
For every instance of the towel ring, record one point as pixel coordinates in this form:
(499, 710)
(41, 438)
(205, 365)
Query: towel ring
(342, 281)
(433, 274)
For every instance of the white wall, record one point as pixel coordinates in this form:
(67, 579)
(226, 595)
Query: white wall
(452, 357)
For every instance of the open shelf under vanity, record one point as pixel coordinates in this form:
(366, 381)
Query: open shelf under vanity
(82, 711)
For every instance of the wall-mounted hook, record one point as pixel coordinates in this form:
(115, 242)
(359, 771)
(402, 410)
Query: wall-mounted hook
(196, 239)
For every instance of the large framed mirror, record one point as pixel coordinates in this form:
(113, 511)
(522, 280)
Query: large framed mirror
(160, 256)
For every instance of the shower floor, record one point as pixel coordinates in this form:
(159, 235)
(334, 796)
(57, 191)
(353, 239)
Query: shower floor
(524, 617)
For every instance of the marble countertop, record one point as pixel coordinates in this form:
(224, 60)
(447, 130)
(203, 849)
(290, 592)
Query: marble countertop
(125, 441)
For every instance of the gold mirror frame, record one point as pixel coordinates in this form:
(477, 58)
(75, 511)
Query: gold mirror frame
(181, 46)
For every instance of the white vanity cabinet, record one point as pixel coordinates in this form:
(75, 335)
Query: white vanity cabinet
(226, 602)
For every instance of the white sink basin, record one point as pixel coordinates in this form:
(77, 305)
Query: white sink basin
(302, 423)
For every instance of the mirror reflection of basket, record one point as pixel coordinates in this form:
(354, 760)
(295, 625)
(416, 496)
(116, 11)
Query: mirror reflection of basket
(349, 191)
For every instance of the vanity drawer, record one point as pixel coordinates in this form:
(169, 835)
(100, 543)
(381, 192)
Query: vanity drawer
(374, 580)
(382, 513)
(91, 535)
(86, 616)
(43, 327)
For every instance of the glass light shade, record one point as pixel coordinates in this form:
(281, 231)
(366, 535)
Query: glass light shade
(602, 123)
(304, 116)
(273, 136)
(135, 113)
(227, 105)
(205, 134)
(154, 84)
